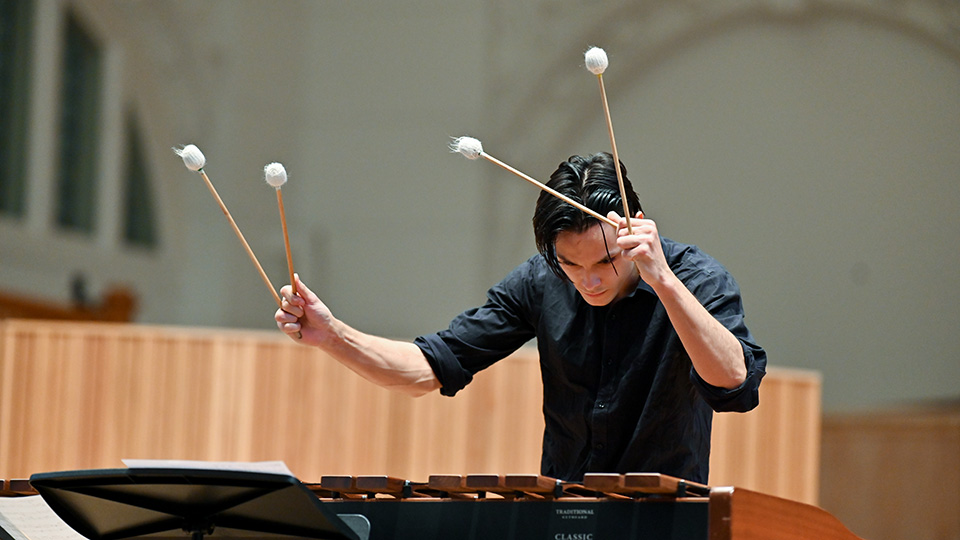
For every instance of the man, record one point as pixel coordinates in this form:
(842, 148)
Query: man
(640, 338)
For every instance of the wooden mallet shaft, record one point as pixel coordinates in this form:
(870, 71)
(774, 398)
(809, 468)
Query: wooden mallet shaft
(286, 241)
(616, 157)
(550, 190)
(236, 230)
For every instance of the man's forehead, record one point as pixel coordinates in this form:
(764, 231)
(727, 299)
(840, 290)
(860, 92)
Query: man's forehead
(591, 245)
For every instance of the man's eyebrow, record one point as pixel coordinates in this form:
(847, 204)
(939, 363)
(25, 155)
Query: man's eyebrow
(604, 260)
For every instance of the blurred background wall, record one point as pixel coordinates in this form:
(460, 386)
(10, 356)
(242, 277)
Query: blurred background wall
(813, 147)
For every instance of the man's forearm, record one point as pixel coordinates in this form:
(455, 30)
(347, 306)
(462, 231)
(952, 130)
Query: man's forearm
(392, 364)
(715, 352)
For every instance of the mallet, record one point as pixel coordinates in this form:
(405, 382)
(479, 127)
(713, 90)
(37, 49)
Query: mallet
(596, 62)
(194, 160)
(276, 176)
(472, 149)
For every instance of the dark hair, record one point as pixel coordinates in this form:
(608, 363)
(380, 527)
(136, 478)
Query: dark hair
(592, 182)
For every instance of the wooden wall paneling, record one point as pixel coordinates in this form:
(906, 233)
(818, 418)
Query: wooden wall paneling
(346, 422)
(14, 392)
(279, 427)
(42, 383)
(803, 480)
(519, 434)
(6, 390)
(305, 400)
(431, 444)
(769, 447)
(733, 449)
(894, 474)
(86, 395)
(252, 395)
(775, 447)
(456, 436)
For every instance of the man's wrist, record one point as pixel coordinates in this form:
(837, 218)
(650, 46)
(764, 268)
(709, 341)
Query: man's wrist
(664, 283)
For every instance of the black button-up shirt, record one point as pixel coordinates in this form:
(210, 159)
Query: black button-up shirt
(619, 390)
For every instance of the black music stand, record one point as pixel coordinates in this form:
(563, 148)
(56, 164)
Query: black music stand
(173, 504)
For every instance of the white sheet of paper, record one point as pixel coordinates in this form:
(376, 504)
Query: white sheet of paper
(29, 518)
(272, 467)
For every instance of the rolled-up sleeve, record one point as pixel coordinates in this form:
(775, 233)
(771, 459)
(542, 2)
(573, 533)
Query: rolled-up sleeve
(452, 376)
(479, 337)
(719, 293)
(742, 398)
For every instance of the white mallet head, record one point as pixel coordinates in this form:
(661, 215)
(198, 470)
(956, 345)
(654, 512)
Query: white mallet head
(596, 60)
(468, 146)
(275, 174)
(192, 157)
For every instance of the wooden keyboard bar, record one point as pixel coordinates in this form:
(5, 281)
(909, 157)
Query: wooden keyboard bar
(605, 483)
(339, 484)
(513, 485)
(641, 484)
(381, 484)
(450, 483)
(508, 486)
(389, 485)
(530, 482)
(13, 488)
(534, 483)
(453, 486)
(489, 483)
(368, 485)
(486, 482)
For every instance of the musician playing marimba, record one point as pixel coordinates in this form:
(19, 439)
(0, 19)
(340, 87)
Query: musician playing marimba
(640, 338)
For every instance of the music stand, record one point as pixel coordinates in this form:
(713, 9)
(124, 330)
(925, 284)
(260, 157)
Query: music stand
(171, 504)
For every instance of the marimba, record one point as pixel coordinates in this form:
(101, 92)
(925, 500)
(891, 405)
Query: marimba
(601, 507)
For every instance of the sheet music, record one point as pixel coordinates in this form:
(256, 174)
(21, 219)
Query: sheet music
(29, 518)
(272, 467)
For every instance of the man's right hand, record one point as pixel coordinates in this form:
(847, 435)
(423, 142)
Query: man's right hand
(397, 365)
(303, 313)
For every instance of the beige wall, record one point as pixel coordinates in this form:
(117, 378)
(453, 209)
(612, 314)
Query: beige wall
(810, 146)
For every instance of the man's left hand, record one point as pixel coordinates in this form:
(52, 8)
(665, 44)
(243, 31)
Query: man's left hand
(643, 247)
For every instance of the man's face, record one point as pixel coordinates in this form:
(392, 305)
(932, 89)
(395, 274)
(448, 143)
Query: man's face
(590, 263)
